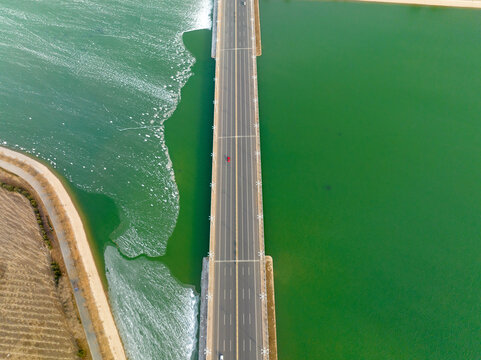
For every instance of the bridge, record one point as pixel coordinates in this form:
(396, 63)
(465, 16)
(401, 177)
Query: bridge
(234, 294)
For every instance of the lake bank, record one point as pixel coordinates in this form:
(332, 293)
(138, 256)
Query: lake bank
(466, 4)
(92, 302)
(43, 321)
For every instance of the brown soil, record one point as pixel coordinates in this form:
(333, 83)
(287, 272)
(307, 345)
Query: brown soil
(38, 320)
(109, 342)
(271, 308)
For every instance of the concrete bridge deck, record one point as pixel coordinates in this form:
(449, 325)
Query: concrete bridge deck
(237, 302)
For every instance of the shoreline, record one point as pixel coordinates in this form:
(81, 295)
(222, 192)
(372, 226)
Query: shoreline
(97, 318)
(461, 4)
(40, 246)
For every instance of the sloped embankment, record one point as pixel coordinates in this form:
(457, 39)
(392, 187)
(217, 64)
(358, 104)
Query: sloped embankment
(37, 317)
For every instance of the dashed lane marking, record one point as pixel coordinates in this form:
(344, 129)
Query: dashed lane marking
(239, 261)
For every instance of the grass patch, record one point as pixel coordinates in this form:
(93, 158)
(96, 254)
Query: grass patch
(81, 353)
(7, 187)
(57, 273)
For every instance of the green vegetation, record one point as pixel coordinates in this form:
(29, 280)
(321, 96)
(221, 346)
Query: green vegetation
(57, 273)
(49, 224)
(7, 186)
(81, 353)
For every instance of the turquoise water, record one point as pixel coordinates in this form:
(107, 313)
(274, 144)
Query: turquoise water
(370, 164)
(86, 86)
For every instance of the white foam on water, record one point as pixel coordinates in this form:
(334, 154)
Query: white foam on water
(87, 85)
(132, 49)
(156, 316)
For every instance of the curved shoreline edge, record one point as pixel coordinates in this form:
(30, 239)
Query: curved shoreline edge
(462, 4)
(93, 306)
(466, 4)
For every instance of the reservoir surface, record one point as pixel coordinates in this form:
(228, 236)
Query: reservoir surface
(370, 151)
(370, 141)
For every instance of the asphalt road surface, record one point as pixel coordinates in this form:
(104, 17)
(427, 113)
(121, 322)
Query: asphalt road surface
(237, 240)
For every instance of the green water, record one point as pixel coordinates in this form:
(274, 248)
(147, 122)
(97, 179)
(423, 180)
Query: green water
(370, 157)
(371, 173)
(189, 138)
(370, 148)
(86, 86)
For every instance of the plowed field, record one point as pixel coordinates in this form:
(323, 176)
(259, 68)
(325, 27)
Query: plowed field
(33, 324)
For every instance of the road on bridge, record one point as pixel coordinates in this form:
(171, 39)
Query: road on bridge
(237, 325)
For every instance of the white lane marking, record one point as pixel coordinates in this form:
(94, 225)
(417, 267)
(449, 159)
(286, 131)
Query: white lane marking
(239, 261)
(217, 117)
(249, 293)
(242, 271)
(248, 271)
(244, 344)
(224, 293)
(242, 293)
(235, 49)
(250, 343)
(223, 347)
(224, 322)
(257, 189)
(218, 302)
(243, 319)
(230, 294)
(236, 201)
(250, 13)
(230, 319)
(236, 137)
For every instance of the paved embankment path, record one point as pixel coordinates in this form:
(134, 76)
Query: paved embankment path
(101, 331)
